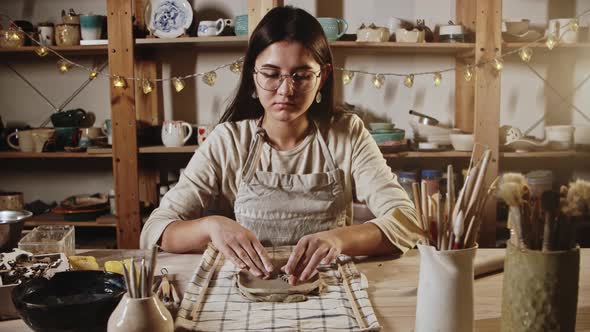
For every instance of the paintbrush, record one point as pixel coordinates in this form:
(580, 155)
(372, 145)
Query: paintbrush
(152, 269)
(132, 279)
(511, 193)
(475, 223)
(550, 205)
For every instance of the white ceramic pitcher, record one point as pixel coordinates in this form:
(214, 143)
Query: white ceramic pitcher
(174, 134)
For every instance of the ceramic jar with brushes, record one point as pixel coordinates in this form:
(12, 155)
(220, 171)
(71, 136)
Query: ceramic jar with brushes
(445, 286)
(140, 310)
(540, 286)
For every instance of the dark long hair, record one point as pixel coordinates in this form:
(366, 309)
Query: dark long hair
(283, 24)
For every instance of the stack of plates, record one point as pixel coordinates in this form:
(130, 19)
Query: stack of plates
(438, 135)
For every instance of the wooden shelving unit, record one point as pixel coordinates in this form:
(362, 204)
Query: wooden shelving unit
(70, 50)
(52, 155)
(162, 149)
(57, 219)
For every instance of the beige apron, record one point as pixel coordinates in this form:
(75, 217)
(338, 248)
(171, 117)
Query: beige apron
(282, 208)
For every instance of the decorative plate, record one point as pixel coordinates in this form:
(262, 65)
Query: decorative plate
(168, 18)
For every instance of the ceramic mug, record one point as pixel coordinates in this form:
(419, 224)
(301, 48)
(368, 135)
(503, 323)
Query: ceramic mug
(25, 140)
(394, 23)
(67, 34)
(66, 137)
(561, 27)
(241, 25)
(91, 26)
(229, 27)
(211, 28)
(202, 133)
(45, 34)
(174, 133)
(89, 134)
(332, 26)
(41, 138)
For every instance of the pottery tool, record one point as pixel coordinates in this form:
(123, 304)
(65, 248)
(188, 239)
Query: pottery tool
(417, 202)
(424, 207)
(439, 222)
(458, 225)
(133, 279)
(198, 305)
(355, 309)
(152, 268)
(127, 281)
(143, 279)
(476, 219)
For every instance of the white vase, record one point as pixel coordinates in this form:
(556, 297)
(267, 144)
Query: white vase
(140, 315)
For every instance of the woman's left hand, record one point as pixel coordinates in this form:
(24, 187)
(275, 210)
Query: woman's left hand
(310, 251)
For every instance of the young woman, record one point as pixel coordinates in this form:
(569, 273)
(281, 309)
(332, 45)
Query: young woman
(283, 163)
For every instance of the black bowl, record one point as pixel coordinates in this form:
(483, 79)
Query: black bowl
(70, 301)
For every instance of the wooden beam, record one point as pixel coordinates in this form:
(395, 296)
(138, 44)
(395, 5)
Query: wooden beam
(257, 9)
(121, 62)
(464, 90)
(149, 114)
(487, 101)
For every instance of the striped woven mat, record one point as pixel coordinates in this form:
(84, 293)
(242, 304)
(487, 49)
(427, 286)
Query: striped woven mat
(224, 309)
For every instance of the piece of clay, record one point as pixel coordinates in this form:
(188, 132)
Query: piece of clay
(277, 287)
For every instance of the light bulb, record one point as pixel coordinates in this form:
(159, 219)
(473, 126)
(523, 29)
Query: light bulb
(551, 41)
(575, 25)
(409, 81)
(498, 64)
(236, 67)
(119, 82)
(13, 36)
(93, 73)
(210, 78)
(525, 54)
(41, 51)
(63, 65)
(378, 80)
(347, 76)
(437, 79)
(467, 74)
(146, 86)
(178, 84)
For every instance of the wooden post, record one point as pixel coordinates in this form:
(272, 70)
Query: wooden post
(121, 60)
(464, 90)
(148, 114)
(487, 101)
(257, 9)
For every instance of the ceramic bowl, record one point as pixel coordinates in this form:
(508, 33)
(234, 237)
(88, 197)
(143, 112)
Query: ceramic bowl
(559, 133)
(70, 301)
(381, 136)
(462, 142)
(517, 27)
(381, 125)
(412, 36)
(582, 135)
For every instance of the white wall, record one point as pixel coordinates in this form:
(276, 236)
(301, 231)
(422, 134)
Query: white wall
(524, 97)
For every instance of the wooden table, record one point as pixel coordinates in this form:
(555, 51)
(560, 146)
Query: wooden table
(392, 289)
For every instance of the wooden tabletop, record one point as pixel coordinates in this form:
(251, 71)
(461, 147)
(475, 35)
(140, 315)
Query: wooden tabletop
(392, 288)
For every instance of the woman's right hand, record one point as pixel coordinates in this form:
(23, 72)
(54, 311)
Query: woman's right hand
(239, 245)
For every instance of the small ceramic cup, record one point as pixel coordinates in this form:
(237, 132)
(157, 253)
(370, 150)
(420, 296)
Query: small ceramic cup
(25, 140)
(67, 34)
(46, 32)
(241, 25)
(41, 138)
(91, 26)
(107, 129)
(174, 133)
(334, 28)
(202, 133)
(211, 28)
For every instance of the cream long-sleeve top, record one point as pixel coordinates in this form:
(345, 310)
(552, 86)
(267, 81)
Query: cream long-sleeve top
(213, 175)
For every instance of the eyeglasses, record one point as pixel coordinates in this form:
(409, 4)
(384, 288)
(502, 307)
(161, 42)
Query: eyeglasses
(301, 80)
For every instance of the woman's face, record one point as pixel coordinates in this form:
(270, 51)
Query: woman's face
(276, 65)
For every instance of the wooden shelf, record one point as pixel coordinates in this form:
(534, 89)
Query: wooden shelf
(52, 155)
(543, 47)
(421, 154)
(65, 50)
(546, 154)
(223, 41)
(393, 47)
(163, 149)
(58, 219)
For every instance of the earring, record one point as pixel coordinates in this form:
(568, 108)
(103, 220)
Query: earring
(318, 97)
(254, 95)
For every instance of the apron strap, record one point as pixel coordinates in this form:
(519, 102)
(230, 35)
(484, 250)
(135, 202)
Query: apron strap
(325, 151)
(253, 156)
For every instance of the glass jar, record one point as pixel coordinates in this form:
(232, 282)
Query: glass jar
(432, 179)
(405, 179)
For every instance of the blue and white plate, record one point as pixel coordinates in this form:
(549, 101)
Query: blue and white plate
(168, 18)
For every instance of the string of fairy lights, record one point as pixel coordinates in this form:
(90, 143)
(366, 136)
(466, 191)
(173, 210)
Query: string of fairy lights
(209, 77)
